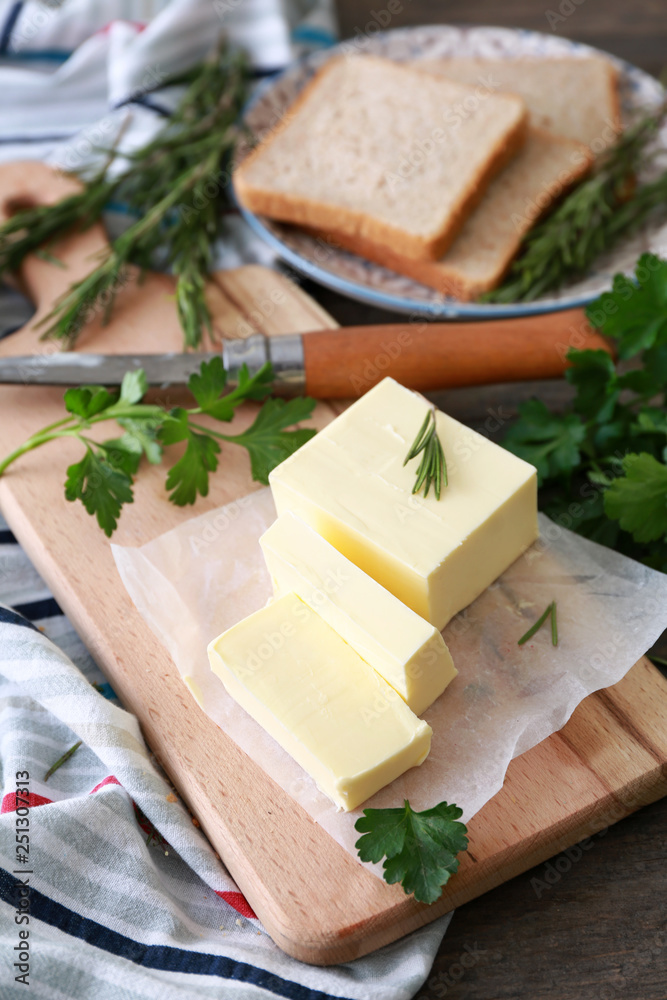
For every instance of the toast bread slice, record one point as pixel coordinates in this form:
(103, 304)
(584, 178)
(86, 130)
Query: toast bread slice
(546, 168)
(384, 152)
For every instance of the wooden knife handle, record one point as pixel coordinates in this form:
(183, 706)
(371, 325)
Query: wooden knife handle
(429, 356)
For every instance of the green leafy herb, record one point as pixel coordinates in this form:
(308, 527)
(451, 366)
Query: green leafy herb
(601, 463)
(61, 760)
(607, 205)
(549, 612)
(175, 186)
(420, 848)
(433, 467)
(102, 480)
(638, 498)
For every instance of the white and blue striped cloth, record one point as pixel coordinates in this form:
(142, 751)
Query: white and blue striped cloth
(125, 898)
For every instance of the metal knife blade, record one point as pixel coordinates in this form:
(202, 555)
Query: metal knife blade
(105, 369)
(285, 353)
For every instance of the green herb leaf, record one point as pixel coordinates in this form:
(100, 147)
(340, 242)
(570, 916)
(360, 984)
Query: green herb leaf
(549, 612)
(638, 499)
(635, 314)
(88, 400)
(133, 386)
(420, 847)
(188, 478)
(432, 469)
(267, 442)
(593, 373)
(209, 384)
(123, 453)
(144, 431)
(61, 760)
(101, 487)
(549, 442)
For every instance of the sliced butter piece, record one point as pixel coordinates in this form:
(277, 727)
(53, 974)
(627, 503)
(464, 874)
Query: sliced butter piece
(349, 483)
(319, 700)
(404, 648)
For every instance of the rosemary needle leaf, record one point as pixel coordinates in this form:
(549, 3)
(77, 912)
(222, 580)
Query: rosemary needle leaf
(432, 468)
(419, 441)
(549, 610)
(554, 625)
(61, 760)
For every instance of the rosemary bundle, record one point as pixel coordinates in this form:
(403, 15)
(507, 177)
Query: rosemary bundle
(590, 220)
(175, 185)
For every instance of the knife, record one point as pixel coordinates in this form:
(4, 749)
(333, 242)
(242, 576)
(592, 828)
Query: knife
(346, 362)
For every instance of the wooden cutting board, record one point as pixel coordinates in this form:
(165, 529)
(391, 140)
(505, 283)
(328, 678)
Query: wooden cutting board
(315, 900)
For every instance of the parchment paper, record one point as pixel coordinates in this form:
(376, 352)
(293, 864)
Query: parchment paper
(194, 582)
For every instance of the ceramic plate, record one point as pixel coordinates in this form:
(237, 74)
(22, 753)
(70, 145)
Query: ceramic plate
(367, 282)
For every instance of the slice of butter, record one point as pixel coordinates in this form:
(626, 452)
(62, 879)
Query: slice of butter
(404, 648)
(349, 483)
(322, 703)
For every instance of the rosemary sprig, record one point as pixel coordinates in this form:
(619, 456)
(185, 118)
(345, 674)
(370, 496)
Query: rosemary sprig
(176, 187)
(61, 760)
(606, 206)
(433, 467)
(549, 611)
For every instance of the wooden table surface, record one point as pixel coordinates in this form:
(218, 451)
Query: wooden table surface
(592, 926)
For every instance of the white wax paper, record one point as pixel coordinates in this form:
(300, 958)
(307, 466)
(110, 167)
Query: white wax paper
(197, 580)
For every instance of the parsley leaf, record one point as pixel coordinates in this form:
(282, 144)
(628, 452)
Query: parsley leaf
(635, 314)
(101, 487)
(638, 499)
(547, 441)
(420, 847)
(593, 374)
(249, 387)
(133, 386)
(88, 400)
(144, 432)
(267, 442)
(208, 385)
(189, 476)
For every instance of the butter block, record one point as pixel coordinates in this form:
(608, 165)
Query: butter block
(349, 483)
(404, 648)
(319, 700)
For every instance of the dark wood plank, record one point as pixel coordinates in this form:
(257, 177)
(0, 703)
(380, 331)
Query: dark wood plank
(634, 31)
(589, 925)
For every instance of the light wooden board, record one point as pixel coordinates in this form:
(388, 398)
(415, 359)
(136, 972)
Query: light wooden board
(315, 900)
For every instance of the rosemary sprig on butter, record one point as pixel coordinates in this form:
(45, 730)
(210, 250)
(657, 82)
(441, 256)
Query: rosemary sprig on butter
(433, 467)
(176, 188)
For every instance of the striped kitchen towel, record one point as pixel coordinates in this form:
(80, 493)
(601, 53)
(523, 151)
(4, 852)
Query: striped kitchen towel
(107, 888)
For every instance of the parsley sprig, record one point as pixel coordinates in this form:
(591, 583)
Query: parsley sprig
(602, 463)
(419, 848)
(102, 480)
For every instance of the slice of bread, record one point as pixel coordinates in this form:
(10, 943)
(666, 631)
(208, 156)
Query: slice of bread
(575, 98)
(545, 168)
(385, 152)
